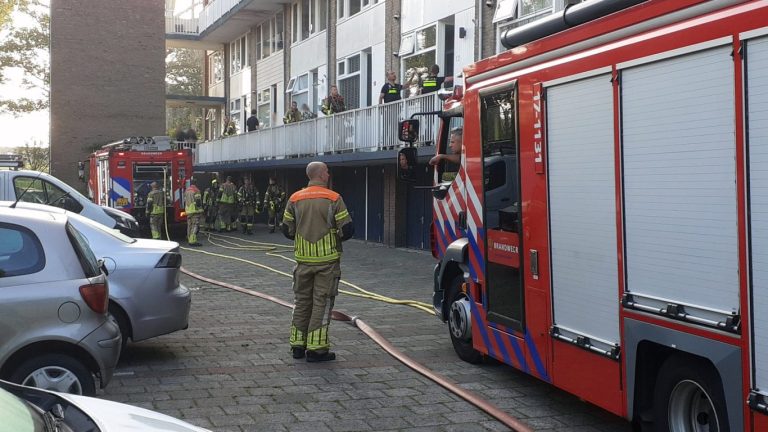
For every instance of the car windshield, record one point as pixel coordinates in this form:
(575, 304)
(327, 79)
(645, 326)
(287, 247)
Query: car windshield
(17, 415)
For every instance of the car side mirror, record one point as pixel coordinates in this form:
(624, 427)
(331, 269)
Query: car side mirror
(441, 190)
(103, 267)
(406, 164)
(408, 130)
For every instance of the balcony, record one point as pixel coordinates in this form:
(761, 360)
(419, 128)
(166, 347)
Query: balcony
(368, 129)
(220, 21)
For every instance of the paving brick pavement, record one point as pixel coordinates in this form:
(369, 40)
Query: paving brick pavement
(231, 369)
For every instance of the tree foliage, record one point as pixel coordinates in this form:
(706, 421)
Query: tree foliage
(184, 77)
(24, 46)
(35, 157)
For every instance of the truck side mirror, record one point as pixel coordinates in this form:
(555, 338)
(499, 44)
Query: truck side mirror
(406, 164)
(408, 130)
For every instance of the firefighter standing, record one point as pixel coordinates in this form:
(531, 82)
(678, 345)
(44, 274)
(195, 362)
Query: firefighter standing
(226, 205)
(211, 204)
(274, 199)
(248, 197)
(318, 221)
(156, 209)
(432, 82)
(193, 205)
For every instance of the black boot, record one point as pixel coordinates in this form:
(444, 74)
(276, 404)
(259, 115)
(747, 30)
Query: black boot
(244, 230)
(298, 352)
(314, 356)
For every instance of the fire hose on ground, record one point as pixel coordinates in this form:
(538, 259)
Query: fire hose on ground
(270, 248)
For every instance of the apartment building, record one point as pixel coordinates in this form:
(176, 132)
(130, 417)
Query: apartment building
(264, 54)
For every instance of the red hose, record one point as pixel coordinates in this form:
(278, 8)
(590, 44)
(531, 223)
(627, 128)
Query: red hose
(469, 396)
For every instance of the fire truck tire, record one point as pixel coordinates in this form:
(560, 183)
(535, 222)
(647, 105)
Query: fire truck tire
(460, 323)
(688, 397)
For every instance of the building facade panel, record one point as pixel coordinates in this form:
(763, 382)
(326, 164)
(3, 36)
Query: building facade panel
(107, 77)
(270, 94)
(309, 54)
(361, 31)
(417, 14)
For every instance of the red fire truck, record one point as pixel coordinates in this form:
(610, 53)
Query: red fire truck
(607, 229)
(121, 174)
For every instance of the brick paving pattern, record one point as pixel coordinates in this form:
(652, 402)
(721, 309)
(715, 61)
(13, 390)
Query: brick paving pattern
(232, 370)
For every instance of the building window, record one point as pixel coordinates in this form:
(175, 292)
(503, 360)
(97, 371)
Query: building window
(263, 109)
(238, 55)
(236, 112)
(298, 90)
(515, 13)
(349, 81)
(348, 8)
(216, 68)
(269, 37)
(308, 18)
(418, 57)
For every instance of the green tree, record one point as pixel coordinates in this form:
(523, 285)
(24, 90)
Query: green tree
(183, 77)
(35, 157)
(24, 46)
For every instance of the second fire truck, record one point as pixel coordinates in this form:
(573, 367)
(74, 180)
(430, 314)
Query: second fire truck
(121, 174)
(607, 230)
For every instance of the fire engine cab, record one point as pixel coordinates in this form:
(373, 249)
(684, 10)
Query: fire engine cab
(607, 229)
(121, 174)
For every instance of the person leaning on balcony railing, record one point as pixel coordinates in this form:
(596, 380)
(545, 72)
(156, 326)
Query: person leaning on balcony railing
(390, 91)
(230, 128)
(334, 103)
(293, 115)
(306, 113)
(253, 122)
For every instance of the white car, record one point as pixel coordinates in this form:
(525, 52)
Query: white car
(27, 409)
(146, 298)
(39, 187)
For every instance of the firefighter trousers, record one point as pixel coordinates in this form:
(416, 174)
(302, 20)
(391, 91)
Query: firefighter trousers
(315, 287)
(156, 225)
(193, 227)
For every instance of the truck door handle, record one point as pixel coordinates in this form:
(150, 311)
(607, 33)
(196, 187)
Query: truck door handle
(534, 260)
(462, 222)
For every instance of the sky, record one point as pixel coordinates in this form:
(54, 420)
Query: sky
(27, 128)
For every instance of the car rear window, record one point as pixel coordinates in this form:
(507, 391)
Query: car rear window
(84, 253)
(21, 252)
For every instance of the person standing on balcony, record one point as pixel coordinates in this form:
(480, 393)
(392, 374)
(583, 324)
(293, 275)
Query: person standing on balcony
(432, 82)
(293, 115)
(334, 103)
(253, 122)
(390, 91)
(317, 221)
(230, 128)
(306, 113)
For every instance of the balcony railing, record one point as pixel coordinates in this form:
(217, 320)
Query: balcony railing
(362, 130)
(194, 26)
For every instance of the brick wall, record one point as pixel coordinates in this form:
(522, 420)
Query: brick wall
(107, 76)
(392, 37)
(488, 31)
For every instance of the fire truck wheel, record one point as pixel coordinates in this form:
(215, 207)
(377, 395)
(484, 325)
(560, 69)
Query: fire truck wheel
(460, 323)
(689, 397)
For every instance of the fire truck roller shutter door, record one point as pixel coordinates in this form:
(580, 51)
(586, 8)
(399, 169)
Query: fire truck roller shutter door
(757, 109)
(580, 149)
(678, 136)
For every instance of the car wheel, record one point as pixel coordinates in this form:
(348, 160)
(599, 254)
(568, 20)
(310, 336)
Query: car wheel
(460, 322)
(689, 397)
(55, 372)
(118, 316)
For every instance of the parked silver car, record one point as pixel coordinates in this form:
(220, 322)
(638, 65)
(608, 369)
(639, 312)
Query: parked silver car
(146, 298)
(26, 409)
(54, 330)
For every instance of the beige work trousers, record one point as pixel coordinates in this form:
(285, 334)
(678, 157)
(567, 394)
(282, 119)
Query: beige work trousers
(315, 287)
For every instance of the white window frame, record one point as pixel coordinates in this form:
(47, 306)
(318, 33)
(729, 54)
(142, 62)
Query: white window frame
(342, 10)
(216, 74)
(316, 22)
(507, 22)
(346, 61)
(264, 98)
(414, 52)
(267, 33)
(238, 54)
